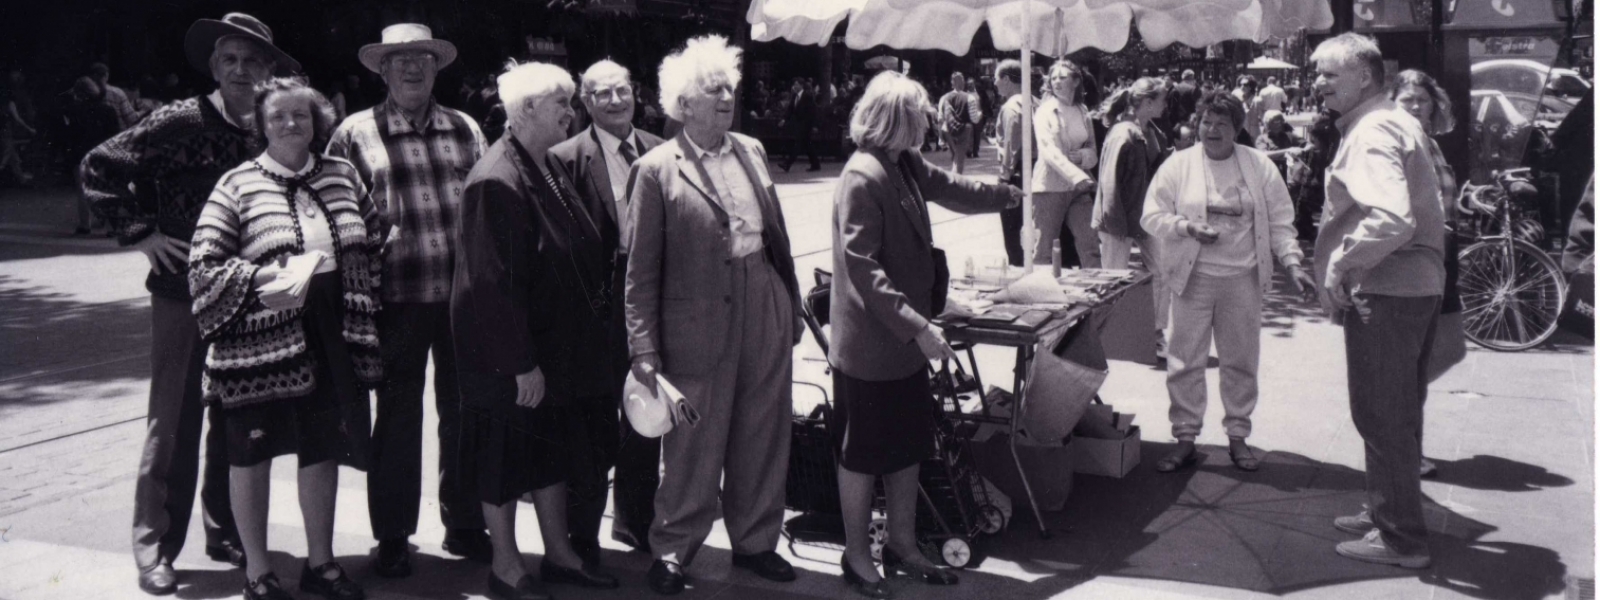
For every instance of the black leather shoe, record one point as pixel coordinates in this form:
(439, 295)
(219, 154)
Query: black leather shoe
(768, 565)
(858, 584)
(893, 565)
(266, 588)
(394, 559)
(588, 576)
(227, 551)
(666, 578)
(588, 550)
(159, 580)
(639, 544)
(526, 588)
(471, 544)
(341, 587)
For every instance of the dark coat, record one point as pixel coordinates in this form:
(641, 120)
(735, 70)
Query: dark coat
(532, 277)
(585, 161)
(882, 259)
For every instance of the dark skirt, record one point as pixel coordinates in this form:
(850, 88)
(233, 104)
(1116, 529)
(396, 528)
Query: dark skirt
(333, 422)
(507, 450)
(881, 427)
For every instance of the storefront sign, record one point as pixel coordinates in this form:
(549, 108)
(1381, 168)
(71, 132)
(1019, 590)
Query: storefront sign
(1387, 15)
(1504, 14)
(1539, 48)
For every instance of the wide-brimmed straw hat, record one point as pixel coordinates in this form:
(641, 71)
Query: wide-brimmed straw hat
(202, 38)
(406, 36)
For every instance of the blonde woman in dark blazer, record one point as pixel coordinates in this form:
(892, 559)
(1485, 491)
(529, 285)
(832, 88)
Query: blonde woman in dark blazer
(882, 338)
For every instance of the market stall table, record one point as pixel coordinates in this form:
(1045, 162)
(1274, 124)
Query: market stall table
(963, 334)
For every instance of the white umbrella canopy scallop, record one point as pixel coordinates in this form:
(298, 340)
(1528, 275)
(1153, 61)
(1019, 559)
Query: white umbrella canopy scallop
(1052, 27)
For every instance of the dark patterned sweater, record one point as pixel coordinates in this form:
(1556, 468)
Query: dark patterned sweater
(157, 175)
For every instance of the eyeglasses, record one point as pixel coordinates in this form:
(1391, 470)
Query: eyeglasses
(407, 60)
(613, 94)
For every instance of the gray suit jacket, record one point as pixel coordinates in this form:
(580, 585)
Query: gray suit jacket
(882, 259)
(680, 286)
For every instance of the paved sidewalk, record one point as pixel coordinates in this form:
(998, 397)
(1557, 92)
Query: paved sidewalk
(1512, 510)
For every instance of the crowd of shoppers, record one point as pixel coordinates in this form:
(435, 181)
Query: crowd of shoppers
(299, 261)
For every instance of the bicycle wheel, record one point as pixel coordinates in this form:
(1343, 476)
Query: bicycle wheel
(1511, 294)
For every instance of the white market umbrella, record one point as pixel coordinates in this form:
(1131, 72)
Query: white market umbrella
(1053, 27)
(1268, 64)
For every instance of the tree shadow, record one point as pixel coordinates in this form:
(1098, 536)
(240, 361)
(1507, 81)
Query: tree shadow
(62, 351)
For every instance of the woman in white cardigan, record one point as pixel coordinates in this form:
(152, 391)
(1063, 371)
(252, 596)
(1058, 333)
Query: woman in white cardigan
(1062, 184)
(1224, 215)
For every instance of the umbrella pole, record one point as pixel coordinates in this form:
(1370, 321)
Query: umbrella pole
(1029, 234)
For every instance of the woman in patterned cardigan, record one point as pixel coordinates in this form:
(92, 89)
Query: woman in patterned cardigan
(290, 361)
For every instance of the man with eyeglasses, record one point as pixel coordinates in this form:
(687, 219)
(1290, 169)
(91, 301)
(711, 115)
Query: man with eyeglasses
(414, 156)
(599, 160)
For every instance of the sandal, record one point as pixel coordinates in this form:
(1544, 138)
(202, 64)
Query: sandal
(1243, 458)
(1178, 459)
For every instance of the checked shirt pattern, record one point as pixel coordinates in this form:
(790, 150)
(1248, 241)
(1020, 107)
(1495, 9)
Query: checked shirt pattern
(416, 178)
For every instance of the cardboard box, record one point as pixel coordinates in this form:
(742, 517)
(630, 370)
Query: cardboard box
(1049, 471)
(1110, 458)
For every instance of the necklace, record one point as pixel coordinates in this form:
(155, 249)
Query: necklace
(295, 184)
(599, 303)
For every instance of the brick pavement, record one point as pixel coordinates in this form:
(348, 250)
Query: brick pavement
(1512, 513)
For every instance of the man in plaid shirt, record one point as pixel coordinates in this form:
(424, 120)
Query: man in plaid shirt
(414, 155)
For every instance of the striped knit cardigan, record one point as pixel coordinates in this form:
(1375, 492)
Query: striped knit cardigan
(258, 354)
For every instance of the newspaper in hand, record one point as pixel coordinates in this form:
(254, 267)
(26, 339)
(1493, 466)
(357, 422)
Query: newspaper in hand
(682, 411)
(294, 276)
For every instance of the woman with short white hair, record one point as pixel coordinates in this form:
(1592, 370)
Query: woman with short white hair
(884, 295)
(715, 308)
(529, 310)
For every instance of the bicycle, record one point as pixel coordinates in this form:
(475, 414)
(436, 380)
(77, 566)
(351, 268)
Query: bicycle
(1511, 290)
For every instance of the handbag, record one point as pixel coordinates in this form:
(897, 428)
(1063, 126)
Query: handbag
(941, 264)
(1577, 313)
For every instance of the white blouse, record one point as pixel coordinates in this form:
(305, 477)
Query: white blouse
(313, 224)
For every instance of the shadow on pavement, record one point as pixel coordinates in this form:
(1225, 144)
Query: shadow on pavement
(53, 341)
(1270, 531)
(1493, 473)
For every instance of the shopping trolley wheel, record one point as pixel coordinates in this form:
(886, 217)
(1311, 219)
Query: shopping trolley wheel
(956, 552)
(990, 519)
(878, 533)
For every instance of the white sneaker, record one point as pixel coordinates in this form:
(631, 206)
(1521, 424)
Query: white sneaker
(1372, 549)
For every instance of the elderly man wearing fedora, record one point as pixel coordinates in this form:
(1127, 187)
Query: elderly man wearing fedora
(149, 183)
(414, 155)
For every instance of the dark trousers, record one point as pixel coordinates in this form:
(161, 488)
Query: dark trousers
(410, 331)
(634, 495)
(1011, 230)
(1387, 362)
(592, 438)
(804, 136)
(164, 492)
(1308, 203)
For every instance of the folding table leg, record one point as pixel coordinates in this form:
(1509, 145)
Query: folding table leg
(1023, 356)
